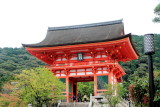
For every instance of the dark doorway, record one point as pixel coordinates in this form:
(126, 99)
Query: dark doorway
(74, 89)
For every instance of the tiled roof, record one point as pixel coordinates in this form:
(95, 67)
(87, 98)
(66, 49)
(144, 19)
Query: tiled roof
(81, 34)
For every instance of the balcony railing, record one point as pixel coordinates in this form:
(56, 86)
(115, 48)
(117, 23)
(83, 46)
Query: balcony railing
(83, 64)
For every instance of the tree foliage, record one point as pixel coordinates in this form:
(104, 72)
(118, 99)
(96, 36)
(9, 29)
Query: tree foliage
(10, 96)
(86, 88)
(157, 86)
(136, 77)
(114, 94)
(39, 86)
(139, 66)
(13, 61)
(157, 12)
(139, 90)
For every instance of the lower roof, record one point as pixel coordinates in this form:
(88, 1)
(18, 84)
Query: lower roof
(124, 46)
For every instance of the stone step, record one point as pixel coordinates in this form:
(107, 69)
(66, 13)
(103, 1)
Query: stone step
(76, 104)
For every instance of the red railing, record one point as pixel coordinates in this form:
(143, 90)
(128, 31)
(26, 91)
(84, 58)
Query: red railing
(83, 63)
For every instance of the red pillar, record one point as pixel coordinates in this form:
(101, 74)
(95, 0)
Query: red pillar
(95, 85)
(67, 88)
(110, 75)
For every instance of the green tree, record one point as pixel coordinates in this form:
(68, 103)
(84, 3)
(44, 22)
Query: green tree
(113, 99)
(157, 12)
(4, 77)
(10, 96)
(157, 86)
(39, 86)
(13, 61)
(139, 91)
(86, 88)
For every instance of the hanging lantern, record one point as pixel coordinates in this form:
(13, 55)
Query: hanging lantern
(149, 44)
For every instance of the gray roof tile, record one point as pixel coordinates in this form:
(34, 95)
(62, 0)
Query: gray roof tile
(81, 34)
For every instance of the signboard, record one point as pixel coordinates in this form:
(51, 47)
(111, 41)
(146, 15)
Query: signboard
(80, 56)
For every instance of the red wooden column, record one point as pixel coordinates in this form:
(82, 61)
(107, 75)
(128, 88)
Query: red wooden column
(95, 82)
(95, 85)
(110, 76)
(67, 87)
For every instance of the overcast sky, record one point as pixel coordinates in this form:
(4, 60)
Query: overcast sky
(27, 21)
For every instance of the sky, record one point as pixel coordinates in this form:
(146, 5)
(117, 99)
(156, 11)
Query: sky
(27, 21)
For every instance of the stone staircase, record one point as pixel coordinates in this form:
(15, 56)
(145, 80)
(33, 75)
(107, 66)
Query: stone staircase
(77, 104)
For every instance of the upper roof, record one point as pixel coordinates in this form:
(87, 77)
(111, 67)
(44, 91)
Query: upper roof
(81, 34)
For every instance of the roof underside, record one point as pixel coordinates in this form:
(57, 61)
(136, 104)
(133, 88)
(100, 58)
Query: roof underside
(81, 34)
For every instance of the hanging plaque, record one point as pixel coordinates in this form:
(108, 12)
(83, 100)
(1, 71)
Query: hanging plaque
(80, 56)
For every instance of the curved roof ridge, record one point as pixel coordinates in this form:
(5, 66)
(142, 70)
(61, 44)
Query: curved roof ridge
(85, 25)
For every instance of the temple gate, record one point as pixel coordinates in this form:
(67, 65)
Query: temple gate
(84, 53)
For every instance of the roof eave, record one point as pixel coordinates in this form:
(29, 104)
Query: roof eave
(76, 43)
